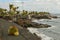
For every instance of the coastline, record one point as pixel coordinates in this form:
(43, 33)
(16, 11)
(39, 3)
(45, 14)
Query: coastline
(43, 36)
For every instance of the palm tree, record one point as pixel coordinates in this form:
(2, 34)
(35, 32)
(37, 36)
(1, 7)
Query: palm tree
(3, 12)
(13, 9)
(24, 13)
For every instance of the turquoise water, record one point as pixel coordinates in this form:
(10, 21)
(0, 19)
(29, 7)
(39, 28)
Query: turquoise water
(54, 31)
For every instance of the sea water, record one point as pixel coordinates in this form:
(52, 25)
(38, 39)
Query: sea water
(51, 33)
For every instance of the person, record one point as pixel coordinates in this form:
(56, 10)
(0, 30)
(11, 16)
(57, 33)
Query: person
(13, 30)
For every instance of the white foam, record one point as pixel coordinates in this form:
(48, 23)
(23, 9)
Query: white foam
(35, 20)
(32, 30)
(44, 19)
(38, 20)
(43, 36)
(41, 19)
(52, 18)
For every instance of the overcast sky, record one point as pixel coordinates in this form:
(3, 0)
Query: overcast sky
(52, 6)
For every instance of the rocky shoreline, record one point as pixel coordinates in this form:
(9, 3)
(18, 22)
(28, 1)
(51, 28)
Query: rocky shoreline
(24, 33)
(28, 23)
(43, 16)
(24, 20)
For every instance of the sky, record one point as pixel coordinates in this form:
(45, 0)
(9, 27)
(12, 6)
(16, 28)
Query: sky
(52, 6)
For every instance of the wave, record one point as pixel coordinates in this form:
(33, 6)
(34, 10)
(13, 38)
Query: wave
(43, 36)
(42, 19)
(35, 20)
(46, 20)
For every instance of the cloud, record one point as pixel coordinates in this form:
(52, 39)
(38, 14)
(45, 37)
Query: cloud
(37, 5)
(57, 2)
(43, 0)
(37, 0)
(4, 5)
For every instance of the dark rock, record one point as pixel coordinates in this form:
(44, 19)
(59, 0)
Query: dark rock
(1, 16)
(8, 18)
(54, 17)
(27, 23)
(40, 17)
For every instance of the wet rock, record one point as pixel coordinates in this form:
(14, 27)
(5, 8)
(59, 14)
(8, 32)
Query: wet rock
(1, 16)
(27, 23)
(36, 25)
(40, 17)
(54, 17)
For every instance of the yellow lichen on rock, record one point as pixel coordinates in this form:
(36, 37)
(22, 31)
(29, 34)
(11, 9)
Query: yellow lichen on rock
(16, 33)
(13, 30)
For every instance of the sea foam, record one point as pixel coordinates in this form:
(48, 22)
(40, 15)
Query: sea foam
(43, 36)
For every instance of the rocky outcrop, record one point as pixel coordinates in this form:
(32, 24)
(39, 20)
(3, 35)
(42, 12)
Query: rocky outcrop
(27, 23)
(36, 25)
(43, 16)
(40, 17)
(54, 17)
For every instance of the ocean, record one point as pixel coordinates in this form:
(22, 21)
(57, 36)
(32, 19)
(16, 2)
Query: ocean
(52, 33)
